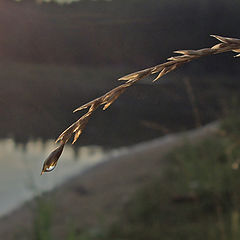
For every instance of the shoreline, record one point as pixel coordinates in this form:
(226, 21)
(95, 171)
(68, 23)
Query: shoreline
(105, 187)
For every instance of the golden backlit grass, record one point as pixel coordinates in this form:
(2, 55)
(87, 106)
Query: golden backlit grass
(226, 44)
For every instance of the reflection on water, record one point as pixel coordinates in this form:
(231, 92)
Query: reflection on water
(20, 167)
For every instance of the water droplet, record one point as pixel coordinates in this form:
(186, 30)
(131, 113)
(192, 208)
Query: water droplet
(50, 168)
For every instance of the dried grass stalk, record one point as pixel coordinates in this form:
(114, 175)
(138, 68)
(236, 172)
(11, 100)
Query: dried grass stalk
(226, 44)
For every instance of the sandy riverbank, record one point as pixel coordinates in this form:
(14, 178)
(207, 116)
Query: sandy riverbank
(96, 196)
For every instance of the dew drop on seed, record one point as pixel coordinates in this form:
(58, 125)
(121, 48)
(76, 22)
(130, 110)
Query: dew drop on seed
(50, 168)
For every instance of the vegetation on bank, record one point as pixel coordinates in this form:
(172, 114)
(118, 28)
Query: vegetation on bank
(198, 196)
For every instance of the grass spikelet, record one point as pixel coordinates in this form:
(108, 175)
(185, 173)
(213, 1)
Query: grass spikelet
(226, 44)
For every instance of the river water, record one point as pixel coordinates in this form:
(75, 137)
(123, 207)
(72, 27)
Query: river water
(20, 167)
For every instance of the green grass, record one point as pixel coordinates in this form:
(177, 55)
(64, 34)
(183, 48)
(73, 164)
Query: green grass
(43, 219)
(197, 198)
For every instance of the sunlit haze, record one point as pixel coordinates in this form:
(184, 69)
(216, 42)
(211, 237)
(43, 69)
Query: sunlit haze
(64, 1)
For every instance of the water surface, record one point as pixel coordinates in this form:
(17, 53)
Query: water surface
(20, 167)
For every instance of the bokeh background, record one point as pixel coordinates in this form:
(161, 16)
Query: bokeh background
(58, 55)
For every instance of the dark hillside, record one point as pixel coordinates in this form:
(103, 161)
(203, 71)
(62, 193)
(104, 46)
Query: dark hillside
(54, 58)
(132, 32)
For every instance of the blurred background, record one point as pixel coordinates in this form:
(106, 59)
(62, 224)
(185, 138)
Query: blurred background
(57, 55)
